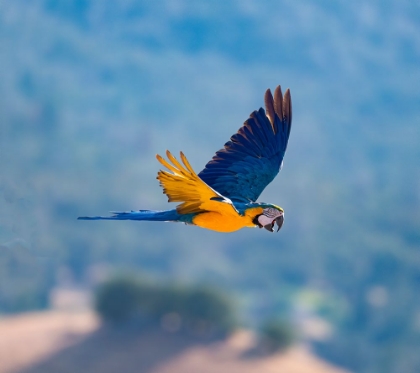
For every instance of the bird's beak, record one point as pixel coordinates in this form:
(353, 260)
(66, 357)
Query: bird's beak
(269, 227)
(261, 219)
(279, 222)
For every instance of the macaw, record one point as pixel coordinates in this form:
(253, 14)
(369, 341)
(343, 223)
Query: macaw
(222, 197)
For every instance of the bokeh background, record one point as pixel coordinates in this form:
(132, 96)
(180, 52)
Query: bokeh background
(91, 90)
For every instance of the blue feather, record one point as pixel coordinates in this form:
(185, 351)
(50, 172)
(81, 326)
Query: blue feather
(253, 156)
(149, 215)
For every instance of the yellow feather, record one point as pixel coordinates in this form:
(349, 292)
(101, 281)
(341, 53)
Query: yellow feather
(184, 185)
(218, 222)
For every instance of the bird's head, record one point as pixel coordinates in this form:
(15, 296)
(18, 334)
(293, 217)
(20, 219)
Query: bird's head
(270, 215)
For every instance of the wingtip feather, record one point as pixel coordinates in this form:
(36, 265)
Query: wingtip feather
(287, 107)
(278, 102)
(269, 107)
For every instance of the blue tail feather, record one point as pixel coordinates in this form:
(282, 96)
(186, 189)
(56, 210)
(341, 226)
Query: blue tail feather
(150, 215)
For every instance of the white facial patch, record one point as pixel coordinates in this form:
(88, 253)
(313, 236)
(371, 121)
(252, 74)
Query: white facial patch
(265, 220)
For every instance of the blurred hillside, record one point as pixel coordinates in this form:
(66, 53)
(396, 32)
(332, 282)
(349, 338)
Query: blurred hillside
(92, 90)
(72, 342)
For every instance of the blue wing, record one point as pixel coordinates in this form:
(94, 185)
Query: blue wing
(253, 156)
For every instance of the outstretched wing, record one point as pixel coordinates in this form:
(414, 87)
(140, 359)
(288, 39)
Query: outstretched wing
(253, 156)
(183, 185)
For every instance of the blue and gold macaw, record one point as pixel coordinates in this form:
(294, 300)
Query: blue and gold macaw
(222, 197)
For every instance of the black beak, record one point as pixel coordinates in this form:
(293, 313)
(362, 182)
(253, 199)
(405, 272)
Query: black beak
(279, 222)
(269, 227)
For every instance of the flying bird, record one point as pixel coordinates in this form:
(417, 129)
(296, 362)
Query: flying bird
(222, 197)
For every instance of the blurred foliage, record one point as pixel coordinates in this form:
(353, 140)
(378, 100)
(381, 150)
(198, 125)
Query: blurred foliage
(118, 300)
(199, 311)
(276, 335)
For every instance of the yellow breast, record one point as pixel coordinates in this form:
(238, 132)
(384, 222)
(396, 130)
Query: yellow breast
(222, 222)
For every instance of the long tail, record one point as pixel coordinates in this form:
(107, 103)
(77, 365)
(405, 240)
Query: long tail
(168, 215)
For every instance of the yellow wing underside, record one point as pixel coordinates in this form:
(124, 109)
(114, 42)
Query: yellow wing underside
(184, 185)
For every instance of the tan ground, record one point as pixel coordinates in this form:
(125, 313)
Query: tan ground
(29, 338)
(227, 357)
(65, 342)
